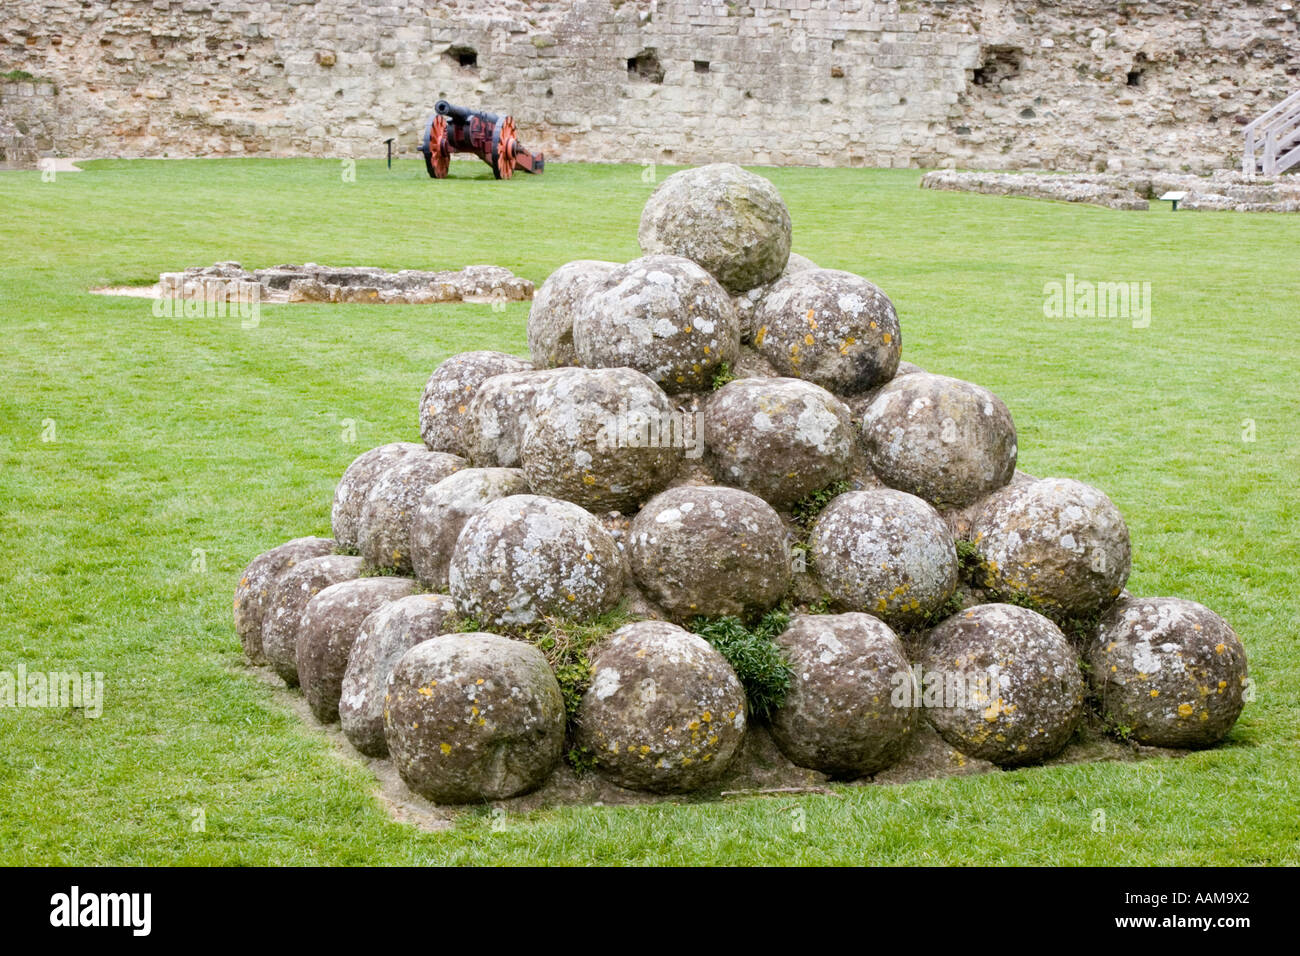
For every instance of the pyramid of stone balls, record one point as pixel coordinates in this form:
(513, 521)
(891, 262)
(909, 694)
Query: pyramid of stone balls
(660, 453)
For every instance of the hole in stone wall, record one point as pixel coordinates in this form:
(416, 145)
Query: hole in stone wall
(465, 57)
(645, 66)
(701, 66)
(1000, 63)
(1134, 77)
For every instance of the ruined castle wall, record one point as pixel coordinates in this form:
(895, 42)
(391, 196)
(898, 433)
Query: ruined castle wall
(984, 83)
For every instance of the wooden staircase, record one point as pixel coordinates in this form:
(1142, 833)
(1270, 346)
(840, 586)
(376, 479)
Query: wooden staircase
(1273, 140)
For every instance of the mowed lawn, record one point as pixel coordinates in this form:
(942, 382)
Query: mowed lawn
(181, 448)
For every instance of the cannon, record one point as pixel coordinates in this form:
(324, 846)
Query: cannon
(456, 129)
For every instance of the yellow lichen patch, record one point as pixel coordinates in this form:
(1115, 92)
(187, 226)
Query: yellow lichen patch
(1184, 710)
(762, 334)
(460, 409)
(887, 338)
(808, 340)
(588, 479)
(811, 313)
(812, 323)
(445, 748)
(1205, 715)
(1155, 692)
(1220, 648)
(479, 681)
(707, 716)
(571, 596)
(425, 691)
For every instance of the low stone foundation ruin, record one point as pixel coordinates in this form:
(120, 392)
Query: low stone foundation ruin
(1224, 191)
(364, 284)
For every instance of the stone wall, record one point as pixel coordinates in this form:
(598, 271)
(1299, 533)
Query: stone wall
(985, 83)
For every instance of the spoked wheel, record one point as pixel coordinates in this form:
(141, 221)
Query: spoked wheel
(436, 149)
(504, 144)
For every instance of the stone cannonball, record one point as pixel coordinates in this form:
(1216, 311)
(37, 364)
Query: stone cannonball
(942, 439)
(287, 600)
(523, 558)
(661, 315)
(449, 390)
(493, 425)
(550, 319)
(350, 493)
(732, 222)
(851, 707)
(443, 511)
(1001, 683)
(830, 327)
(709, 551)
(664, 711)
(384, 531)
(255, 584)
(1058, 542)
(329, 626)
(779, 438)
(384, 636)
(606, 439)
(886, 553)
(1172, 671)
(473, 717)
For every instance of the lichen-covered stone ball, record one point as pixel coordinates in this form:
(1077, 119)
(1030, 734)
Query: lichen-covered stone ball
(473, 717)
(851, 707)
(443, 511)
(383, 637)
(1001, 683)
(526, 557)
(732, 222)
(492, 429)
(329, 626)
(556, 302)
(384, 531)
(780, 438)
(350, 493)
(287, 600)
(1058, 542)
(709, 551)
(255, 583)
(886, 553)
(942, 439)
(661, 315)
(1171, 672)
(746, 303)
(664, 711)
(606, 439)
(449, 391)
(830, 327)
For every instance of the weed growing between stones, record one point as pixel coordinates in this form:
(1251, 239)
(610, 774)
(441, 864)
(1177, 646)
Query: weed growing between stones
(567, 647)
(754, 655)
(806, 509)
(723, 375)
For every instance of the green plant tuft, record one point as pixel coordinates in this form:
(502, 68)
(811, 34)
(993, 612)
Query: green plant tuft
(723, 375)
(754, 655)
(806, 509)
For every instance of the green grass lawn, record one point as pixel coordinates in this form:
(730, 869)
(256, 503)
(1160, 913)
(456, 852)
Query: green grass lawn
(184, 447)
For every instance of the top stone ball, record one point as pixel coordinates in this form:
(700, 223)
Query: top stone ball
(731, 222)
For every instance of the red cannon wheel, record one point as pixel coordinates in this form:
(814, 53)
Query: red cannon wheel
(437, 150)
(504, 144)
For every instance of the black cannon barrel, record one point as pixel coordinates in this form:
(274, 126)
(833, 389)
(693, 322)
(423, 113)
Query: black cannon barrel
(462, 114)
